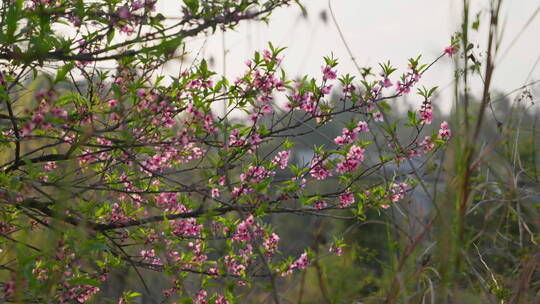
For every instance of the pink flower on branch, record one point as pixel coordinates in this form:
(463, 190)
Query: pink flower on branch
(328, 73)
(346, 199)
(444, 132)
(451, 50)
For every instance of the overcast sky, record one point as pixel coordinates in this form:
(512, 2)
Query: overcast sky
(377, 31)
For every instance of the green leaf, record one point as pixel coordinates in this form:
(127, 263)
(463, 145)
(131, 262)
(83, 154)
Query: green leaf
(476, 23)
(261, 210)
(193, 5)
(412, 118)
(287, 144)
(360, 214)
(431, 91)
(133, 294)
(62, 72)
(302, 8)
(12, 17)
(203, 67)
(110, 36)
(311, 200)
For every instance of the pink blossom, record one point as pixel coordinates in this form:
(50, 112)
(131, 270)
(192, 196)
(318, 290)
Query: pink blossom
(215, 192)
(49, 166)
(234, 266)
(427, 144)
(337, 250)
(319, 169)
(267, 55)
(200, 298)
(397, 193)
(426, 112)
(302, 262)
(221, 300)
(403, 88)
(451, 50)
(386, 83)
(444, 132)
(326, 89)
(186, 227)
(282, 159)
(37, 118)
(346, 199)
(124, 13)
(348, 89)
(362, 126)
(141, 92)
(118, 215)
(347, 136)
(238, 191)
(319, 205)
(413, 153)
(169, 201)
(266, 109)
(288, 106)
(378, 116)
(9, 289)
(271, 243)
(244, 230)
(328, 73)
(352, 161)
(138, 5)
(256, 174)
(60, 113)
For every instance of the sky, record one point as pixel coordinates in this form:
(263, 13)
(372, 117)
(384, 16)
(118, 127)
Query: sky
(377, 31)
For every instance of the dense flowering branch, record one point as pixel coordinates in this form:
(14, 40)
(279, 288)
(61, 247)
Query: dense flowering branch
(129, 171)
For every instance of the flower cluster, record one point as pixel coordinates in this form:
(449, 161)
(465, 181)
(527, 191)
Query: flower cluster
(271, 243)
(246, 230)
(256, 174)
(301, 263)
(352, 161)
(426, 112)
(348, 136)
(398, 191)
(444, 132)
(346, 199)
(282, 159)
(319, 168)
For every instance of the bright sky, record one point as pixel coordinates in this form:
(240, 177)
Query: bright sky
(378, 31)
